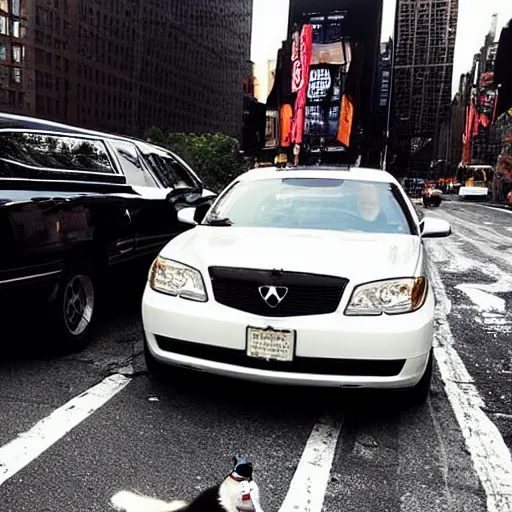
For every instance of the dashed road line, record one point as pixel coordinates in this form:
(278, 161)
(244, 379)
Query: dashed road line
(491, 456)
(309, 483)
(18, 453)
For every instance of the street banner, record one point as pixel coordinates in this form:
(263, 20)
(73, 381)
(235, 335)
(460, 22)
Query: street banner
(306, 44)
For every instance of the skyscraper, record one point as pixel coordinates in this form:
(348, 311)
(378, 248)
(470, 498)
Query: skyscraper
(125, 65)
(425, 33)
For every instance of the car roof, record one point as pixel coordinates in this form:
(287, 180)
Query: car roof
(324, 172)
(33, 123)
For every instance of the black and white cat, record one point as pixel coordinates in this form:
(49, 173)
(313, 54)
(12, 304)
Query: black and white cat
(238, 492)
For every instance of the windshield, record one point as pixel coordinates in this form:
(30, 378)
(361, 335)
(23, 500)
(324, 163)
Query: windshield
(326, 204)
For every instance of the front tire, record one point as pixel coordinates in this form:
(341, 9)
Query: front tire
(418, 395)
(72, 309)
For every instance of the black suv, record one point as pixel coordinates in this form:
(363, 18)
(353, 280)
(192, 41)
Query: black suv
(76, 205)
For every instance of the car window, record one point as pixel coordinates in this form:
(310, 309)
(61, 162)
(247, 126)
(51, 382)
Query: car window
(170, 172)
(312, 203)
(136, 174)
(53, 152)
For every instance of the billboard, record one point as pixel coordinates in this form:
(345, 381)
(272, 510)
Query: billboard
(343, 74)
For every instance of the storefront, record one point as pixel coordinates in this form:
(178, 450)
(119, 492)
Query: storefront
(502, 128)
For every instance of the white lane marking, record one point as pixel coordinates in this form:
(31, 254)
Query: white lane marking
(493, 208)
(482, 299)
(18, 453)
(490, 455)
(502, 415)
(309, 483)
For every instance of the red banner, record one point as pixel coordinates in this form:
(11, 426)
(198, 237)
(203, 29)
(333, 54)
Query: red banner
(306, 47)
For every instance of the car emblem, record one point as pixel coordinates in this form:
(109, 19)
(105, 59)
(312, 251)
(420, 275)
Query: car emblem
(273, 295)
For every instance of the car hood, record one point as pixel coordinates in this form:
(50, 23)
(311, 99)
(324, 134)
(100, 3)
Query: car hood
(357, 256)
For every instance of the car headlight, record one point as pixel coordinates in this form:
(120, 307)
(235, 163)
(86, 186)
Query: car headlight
(173, 278)
(393, 297)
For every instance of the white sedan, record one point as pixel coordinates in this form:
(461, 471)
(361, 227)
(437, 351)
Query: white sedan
(305, 276)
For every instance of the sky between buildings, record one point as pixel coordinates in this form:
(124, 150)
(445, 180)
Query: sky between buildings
(270, 20)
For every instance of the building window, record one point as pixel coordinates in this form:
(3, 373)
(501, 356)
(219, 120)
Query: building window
(3, 52)
(4, 26)
(4, 5)
(16, 7)
(16, 29)
(16, 75)
(17, 53)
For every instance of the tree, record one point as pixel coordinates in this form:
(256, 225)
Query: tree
(216, 158)
(155, 135)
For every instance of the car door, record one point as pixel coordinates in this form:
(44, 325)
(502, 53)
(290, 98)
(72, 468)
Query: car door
(61, 217)
(154, 218)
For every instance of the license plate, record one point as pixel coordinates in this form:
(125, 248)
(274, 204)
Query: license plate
(270, 344)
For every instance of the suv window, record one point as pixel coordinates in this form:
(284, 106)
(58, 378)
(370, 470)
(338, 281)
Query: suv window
(56, 152)
(170, 172)
(132, 167)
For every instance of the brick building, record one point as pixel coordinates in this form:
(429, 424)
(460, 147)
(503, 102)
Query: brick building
(125, 65)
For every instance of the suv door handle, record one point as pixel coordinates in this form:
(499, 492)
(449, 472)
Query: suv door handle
(127, 215)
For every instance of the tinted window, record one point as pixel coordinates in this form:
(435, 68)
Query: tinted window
(331, 204)
(54, 152)
(170, 172)
(133, 169)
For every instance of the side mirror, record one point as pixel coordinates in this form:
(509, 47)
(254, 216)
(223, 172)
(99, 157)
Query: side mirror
(177, 195)
(187, 216)
(435, 228)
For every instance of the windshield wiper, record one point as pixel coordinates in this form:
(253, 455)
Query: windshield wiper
(214, 221)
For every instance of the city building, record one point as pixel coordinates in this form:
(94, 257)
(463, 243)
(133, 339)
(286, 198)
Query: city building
(124, 66)
(503, 70)
(343, 77)
(449, 147)
(253, 129)
(264, 79)
(383, 115)
(425, 42)
(13, 57)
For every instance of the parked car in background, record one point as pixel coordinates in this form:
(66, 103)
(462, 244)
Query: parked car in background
(76, 206)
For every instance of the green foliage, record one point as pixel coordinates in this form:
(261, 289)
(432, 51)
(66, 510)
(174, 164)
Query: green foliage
(216, 158)
(155, 135)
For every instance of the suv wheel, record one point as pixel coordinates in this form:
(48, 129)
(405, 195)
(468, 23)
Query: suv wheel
(73, 308)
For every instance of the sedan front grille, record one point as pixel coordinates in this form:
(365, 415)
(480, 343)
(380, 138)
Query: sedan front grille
(302, 294)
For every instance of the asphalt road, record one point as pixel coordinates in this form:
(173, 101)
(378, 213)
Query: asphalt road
(173, 440)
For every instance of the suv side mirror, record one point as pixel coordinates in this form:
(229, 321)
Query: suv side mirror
(435, 228)
(193, 208)
(178, 195)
